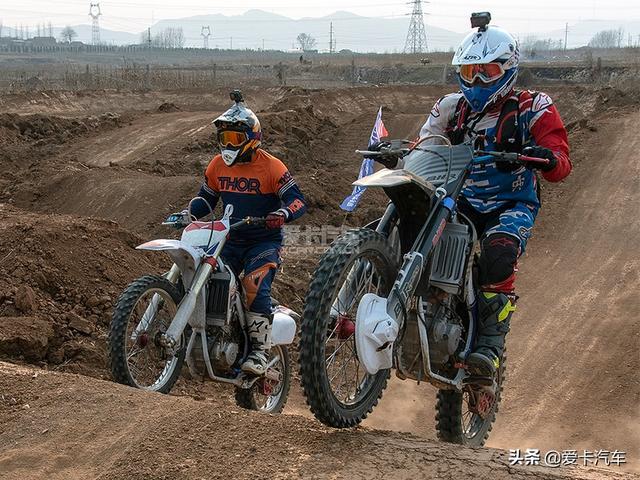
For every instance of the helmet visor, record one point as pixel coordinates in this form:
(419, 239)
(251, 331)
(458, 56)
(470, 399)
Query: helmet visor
(486, 72)
(232, 138)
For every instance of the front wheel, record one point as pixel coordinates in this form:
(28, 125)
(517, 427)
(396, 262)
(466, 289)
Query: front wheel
(142, 315)
(269, 394)
(338, 389)
(466, 417)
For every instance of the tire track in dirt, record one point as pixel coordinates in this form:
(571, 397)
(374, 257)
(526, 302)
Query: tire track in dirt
(61, 426)
(572, 380)
(141, 140)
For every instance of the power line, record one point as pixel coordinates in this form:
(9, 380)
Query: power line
(416, 36)
(332, 40)
(94, 13)
(206, 33)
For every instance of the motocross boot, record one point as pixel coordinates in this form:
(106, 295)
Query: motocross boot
(259, 330)
(494, 315)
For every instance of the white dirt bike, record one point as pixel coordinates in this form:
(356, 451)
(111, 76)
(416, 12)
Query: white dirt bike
(195, 312)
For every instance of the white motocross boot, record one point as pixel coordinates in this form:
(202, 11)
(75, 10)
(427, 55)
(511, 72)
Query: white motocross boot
(259, 330)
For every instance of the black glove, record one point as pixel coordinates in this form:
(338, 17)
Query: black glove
(389, 160)
(505, 166)
(377, 146)
(541, 152)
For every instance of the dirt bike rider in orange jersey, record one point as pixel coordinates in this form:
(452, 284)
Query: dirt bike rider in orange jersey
(257, 184)
(500, 199)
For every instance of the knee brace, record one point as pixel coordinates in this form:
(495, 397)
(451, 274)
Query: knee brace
(498, 262)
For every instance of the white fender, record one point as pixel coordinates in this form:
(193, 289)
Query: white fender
(375, 333)
(187, 258)
(283, 330)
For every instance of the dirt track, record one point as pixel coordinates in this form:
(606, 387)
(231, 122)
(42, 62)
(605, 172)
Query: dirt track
(573, 350)
(115, 432)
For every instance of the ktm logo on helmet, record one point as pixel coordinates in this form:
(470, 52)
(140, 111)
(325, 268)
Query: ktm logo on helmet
(239, 184)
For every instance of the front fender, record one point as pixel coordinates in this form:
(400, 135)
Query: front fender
(386, 178)
(186, 257)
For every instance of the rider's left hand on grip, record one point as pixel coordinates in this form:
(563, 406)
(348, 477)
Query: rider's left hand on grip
(540, 152)
(274, 220)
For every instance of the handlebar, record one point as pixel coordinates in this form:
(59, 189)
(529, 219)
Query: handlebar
(514, 157)
(180, 222)
(505, 156)
(260, 221)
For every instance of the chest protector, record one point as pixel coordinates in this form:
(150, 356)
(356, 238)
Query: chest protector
(508, 132)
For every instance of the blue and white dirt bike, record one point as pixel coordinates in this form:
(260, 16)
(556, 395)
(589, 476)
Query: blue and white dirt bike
(196, 312)
(401, 293)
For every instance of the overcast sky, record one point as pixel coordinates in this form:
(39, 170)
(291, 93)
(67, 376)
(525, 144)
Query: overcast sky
(520, 17)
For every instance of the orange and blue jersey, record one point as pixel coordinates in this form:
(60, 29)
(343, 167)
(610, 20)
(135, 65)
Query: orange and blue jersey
(255, 189)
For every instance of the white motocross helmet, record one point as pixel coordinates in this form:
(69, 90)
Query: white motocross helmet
(487, 63)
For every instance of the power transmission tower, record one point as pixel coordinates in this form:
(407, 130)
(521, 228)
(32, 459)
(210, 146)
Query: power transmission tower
(332, 40)
(416, 36)
(94, 13)
(206, 33)
(566, 35)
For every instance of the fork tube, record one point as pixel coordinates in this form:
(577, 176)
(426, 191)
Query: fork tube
(187, 306)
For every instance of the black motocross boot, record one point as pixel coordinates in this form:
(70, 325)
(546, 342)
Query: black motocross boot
(494, 315)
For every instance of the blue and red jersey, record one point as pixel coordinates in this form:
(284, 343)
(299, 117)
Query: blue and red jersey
(539, 123)
(255, 189)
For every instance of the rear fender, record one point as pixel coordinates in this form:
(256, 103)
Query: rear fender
(186, 257)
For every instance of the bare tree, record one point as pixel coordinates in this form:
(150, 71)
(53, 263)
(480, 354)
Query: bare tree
(306, 42)
(68, 34)
(532, 45)
(170, 37)
(607, 39)
(0, 28)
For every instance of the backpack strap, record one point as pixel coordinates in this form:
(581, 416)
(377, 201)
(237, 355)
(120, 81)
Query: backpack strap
(508, 132)
(456, 128)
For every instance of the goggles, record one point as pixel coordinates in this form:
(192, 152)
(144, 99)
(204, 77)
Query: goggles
(486, 72)
(232, 138)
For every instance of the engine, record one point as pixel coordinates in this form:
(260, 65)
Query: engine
(444, 331)
(223, 349)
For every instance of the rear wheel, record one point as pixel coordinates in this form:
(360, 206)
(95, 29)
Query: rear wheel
(338, 389)
(142, 315)
(269, 394)
(466, 417)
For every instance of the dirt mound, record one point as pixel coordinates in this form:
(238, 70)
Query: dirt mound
(51, 128)
(122, 433)
(59, 278)
(168, 107)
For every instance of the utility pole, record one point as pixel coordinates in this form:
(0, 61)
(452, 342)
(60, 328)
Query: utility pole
(50, 29)
(94, 13)
(263, 44)
(566, 35)
(416, 36)
(205, 32)
(149, 37)
(231, 43)
(332, 42)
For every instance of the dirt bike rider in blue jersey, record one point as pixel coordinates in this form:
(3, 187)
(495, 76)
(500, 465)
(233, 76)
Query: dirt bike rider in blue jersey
(500, 199)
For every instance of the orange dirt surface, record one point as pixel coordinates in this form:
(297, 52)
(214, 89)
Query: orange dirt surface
(85, 178)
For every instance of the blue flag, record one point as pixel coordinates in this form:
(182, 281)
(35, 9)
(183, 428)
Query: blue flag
(379, 131)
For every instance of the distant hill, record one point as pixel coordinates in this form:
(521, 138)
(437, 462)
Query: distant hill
(353, 32)
(256, 28)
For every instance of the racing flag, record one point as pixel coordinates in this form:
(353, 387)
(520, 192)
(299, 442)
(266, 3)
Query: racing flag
(379, 131)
